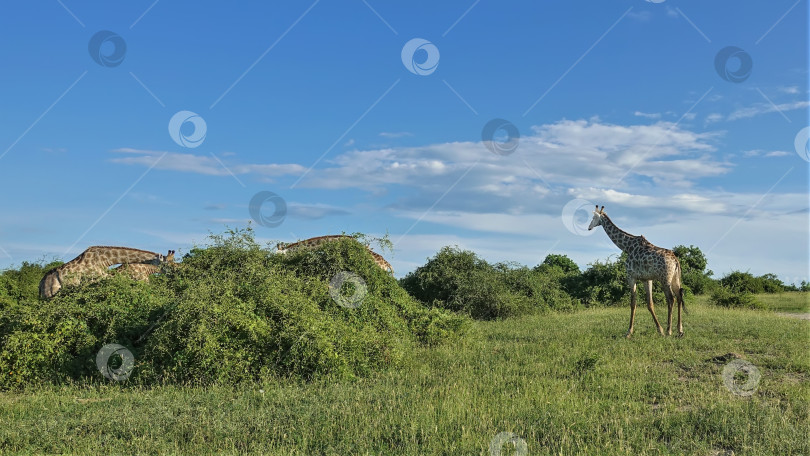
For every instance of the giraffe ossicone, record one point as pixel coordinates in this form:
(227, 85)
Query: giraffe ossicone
(646, 262)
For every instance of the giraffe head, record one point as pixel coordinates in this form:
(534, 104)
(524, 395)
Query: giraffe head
(49, 285)
(161, 259)
(597, 217)
(281, 247)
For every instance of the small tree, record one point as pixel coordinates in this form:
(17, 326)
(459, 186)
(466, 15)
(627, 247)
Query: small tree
(565, 264)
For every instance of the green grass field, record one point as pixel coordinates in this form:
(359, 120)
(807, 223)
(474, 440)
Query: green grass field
(790, 302)
(560, 383)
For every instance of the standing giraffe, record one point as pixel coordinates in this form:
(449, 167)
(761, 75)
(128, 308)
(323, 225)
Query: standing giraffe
(316, 241)
(94, 261)
(142, 271)
(646, 262)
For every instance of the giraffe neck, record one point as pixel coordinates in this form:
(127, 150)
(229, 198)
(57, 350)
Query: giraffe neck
(314, 242)
(102, 257)
(621, 238)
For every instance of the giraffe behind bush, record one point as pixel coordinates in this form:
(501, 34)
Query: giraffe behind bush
(93, 262)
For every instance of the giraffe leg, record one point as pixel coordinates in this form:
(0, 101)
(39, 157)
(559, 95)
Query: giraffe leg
(648, 289)
(632, 283)
(679, 295)
(670, 301)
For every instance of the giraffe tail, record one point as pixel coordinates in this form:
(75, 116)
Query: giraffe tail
(680, 287)
(680, 293)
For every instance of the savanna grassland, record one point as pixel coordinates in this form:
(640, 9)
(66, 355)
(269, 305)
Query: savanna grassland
(562, 381)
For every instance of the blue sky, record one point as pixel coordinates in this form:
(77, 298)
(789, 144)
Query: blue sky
(618, 103)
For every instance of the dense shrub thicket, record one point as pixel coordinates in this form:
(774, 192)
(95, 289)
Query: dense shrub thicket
(459, 280)
(725, 297)
(230, 312)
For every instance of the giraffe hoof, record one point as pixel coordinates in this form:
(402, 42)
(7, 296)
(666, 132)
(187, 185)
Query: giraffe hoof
(680, 334)
(627, 336)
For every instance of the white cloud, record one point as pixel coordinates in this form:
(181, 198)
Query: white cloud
(201, 164)
(793, 90)
(652, 115)
(562, 154)
(713, 117)
(765, 108)
(765, 153)
(394, 135)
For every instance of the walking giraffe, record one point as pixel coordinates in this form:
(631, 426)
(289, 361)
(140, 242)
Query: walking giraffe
(94, 261)
(316, 241)
(646, 262)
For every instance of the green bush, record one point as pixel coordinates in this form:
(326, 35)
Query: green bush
(747, 282)
(230, 312)
(542, 289)
(725, 297)
(698, 283)
(23, 283)
(459, 280)
(604, 284)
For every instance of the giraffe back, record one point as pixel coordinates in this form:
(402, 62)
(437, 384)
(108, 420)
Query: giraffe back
(317, 241)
